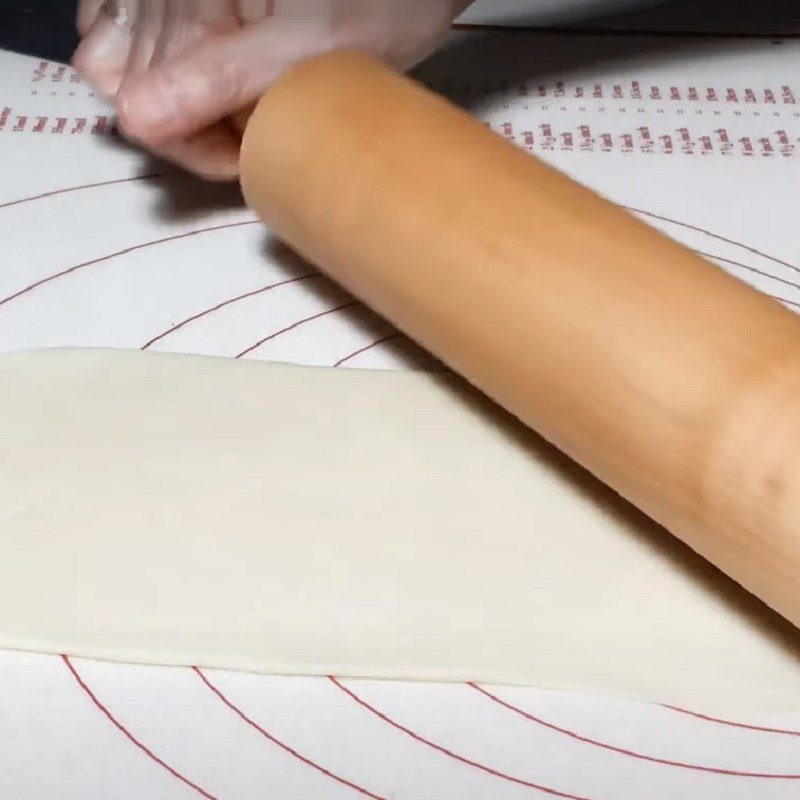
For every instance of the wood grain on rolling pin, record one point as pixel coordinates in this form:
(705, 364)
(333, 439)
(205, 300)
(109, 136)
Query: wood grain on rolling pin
(671, 381)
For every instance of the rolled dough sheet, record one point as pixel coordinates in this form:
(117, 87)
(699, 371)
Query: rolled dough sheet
(192, 510)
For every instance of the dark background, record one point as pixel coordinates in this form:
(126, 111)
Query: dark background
(44, 28)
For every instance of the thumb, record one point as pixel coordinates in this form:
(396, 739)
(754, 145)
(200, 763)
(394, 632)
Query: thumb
(213, 80)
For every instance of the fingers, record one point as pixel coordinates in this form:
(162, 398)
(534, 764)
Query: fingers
(86, 16)
(179, 67)
(146, 32)
(415, 29)
(188, 22)
(212, 80)
(102, 56)
(255, 10)
(212, 153)
(124, 39)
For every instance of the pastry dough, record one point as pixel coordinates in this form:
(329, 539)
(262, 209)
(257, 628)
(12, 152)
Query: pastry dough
(192, 510)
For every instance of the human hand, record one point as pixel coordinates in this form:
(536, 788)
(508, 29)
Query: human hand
(178, 69)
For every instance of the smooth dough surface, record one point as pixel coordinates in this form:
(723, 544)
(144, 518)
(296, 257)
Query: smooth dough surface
(191, 510)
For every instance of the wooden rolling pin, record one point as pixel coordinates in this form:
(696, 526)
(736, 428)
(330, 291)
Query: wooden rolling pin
(676, 384)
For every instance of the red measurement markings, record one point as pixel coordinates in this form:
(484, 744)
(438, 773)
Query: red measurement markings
(656, 93)
(741, 725)
(230, 301)
(756, 271)
(294, 325)
(529, 140)
(786, 147)
(81, 187)
(58, 75)
(738, 773)
(646, 144)
(633, 90)
(281, 744)
(367, 348)
(40, 71)
(725, 143)
(644, 139)
(102, 126)
(587, 141)
(469, 762)
(110, 256)
(105, 711)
